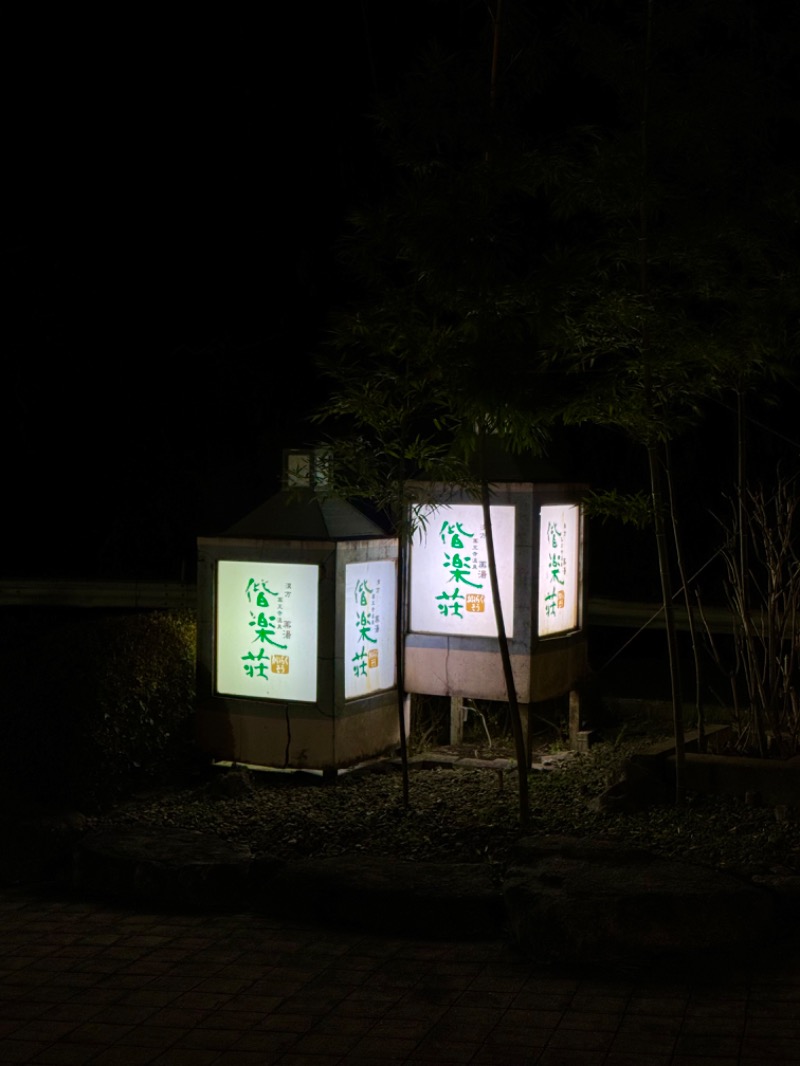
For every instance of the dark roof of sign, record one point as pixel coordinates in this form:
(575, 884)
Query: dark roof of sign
(304, 515)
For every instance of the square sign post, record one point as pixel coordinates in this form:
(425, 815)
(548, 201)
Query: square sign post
(451, 648)
(296, 634)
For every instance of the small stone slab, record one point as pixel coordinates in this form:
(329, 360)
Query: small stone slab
(468, 763)
(162, 867)
(569, 900)
(389, 896)
(429, 761)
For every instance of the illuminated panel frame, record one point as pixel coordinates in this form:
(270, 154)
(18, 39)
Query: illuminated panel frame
(266, 629)
(450, 592)
(559, 569)
(370, 661)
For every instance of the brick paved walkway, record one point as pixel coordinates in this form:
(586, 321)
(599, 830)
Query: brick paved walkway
(83, 983)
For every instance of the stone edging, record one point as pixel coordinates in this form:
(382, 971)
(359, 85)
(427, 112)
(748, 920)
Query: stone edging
(561, 898)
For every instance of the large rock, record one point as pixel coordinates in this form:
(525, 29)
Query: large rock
(569, 900)
(425, 899)
(162, 867)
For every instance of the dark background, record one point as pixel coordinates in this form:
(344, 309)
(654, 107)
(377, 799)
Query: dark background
(178, 186)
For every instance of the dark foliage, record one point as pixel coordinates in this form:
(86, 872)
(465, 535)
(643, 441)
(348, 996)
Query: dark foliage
(97, 707)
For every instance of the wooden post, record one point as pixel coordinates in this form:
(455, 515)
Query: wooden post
(456, 719)
(527, 715)
(574, 718)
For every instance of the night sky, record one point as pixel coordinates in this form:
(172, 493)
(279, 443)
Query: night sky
(177, 190)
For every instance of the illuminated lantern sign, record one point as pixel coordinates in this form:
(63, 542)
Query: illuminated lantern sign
(450, 589)
(451, 647)
(559, 569)
(369, 636)
(267, 630)
(296, 656)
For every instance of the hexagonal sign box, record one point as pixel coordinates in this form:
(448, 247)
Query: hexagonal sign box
(451, 647)
(296, 633)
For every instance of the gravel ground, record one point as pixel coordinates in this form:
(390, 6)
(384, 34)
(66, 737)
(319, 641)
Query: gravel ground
(462, 815)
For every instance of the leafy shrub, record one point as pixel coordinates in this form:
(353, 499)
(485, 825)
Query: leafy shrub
(99, 705)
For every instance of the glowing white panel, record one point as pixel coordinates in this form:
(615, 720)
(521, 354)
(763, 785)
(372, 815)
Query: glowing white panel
(369, 635)
(559, 569)
(450, 589)
(267, 630)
